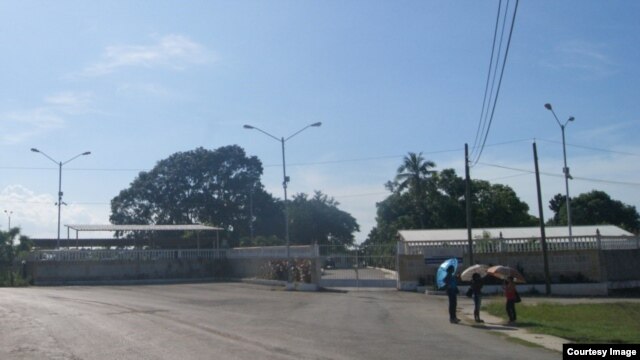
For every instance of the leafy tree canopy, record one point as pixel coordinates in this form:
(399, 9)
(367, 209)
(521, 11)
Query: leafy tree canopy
(198, 186)
(595, 208)
(318, 219)
(13, 247)
(12, 244)
(439, 203)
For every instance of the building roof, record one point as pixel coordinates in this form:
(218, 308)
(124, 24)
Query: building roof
(510, 233)
(110, 227)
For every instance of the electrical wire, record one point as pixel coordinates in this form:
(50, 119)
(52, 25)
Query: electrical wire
(371, 158)
(592, 148)
(613, 182)
(493, 71)
(495, 99)
(481, 122)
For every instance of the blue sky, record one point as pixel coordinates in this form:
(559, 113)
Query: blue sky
(134, 82)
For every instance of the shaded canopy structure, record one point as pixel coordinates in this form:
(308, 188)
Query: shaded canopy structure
(150, 236)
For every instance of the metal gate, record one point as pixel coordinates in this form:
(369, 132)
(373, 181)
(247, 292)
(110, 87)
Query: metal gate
(358, 266)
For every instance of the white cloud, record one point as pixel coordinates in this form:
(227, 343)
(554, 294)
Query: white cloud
(581, 55)
(146, 90)
(171, 51)
(69, 102)
(609, 133)
(19, 126)
(37, 215)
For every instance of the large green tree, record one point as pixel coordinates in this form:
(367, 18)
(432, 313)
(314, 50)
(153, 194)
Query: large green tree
(497, 205)
(318, 220)
(200, 186)
(595, 208)
(442, 205)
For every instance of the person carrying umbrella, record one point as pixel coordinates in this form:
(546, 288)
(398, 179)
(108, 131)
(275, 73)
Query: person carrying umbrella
(510, 294)
(451, 284)
(476, 288)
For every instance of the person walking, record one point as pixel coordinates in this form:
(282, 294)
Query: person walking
(476, 288)
(451, 284)
(511, 295)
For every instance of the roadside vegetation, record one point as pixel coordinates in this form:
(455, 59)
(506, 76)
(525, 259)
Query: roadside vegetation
(616, 323)
(13, 249)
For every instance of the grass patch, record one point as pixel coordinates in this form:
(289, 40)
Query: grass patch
(585, 323)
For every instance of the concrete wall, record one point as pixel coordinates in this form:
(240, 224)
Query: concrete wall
(68, 272)
(411, 269)
(58, 272)
(564, 266)
(621, 265)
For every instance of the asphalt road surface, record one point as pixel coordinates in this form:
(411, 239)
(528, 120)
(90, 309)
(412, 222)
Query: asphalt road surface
(364, 277)
(238, 321)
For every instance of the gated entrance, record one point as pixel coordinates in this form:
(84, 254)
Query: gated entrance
(358, 266)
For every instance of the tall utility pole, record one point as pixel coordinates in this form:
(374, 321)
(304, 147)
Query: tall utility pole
(60, 164)
(565, 170)
(8, 219)
(285, 179)
(467, 195)
(547, 277)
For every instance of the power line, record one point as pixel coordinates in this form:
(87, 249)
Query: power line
(504, 62)
(507, 177)
(592, 148)
(481, 122)
(493, 71)
(329, 162)
(614, 182)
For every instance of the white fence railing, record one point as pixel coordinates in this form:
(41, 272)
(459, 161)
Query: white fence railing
(480, 246)
(297, 251)
(125, 255)
(488, 246)
(189, 254)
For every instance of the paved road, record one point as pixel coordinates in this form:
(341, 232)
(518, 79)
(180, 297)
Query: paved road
(237, 321)
(364, 277)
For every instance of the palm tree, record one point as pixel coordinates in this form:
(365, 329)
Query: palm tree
(413, 176)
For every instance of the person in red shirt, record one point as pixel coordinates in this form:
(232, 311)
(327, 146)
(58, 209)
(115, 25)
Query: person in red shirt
(510, 294)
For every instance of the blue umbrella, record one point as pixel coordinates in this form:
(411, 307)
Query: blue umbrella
(442, 271)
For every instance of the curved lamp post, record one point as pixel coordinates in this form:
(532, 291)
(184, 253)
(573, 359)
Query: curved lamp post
(9, 219)
(60, 164)
(565, 170)
(285, 180)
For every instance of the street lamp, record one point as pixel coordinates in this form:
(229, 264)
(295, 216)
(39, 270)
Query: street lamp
(285, 180)
(60, 164)
(565, 170)
(9, 219)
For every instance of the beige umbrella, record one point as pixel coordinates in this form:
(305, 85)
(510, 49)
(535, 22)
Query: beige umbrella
(467, 274)
(503, 272)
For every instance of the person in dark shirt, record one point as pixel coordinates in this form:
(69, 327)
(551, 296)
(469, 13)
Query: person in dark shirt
(476, 287)
(451, 284)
